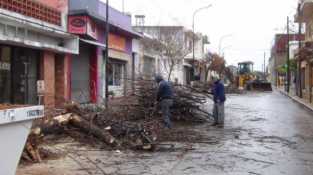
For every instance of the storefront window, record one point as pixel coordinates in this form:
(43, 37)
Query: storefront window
(5, 74)
(18, 75)
(115, 74)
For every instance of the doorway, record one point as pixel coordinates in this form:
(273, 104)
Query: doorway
(18, 75)
(25, 75)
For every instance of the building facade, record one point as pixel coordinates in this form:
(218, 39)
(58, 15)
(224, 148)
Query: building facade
(182, 39)
(87, 19)
(305, 53)
(35, 52)
(146, 59)
(278, 59)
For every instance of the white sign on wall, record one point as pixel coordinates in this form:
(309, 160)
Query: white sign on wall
(40, 86)
(5, 66)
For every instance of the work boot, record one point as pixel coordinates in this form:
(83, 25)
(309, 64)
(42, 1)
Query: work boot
(220, 125)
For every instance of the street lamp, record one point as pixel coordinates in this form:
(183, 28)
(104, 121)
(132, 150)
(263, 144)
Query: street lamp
(224, 48)
(123, 6)
(221, 40)
(193, 34)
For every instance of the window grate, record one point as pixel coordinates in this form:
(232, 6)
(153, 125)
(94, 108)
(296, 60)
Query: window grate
(33, 9)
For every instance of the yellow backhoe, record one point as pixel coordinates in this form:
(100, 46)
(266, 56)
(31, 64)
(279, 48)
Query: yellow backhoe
(247, 80)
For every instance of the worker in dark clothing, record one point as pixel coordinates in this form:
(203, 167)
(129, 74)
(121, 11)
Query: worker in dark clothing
(219, 98)
(165, 99)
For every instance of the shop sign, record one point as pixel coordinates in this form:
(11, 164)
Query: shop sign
(117, 42)
(91, 28)
(5, 66)
(82, 25)
(77, 24)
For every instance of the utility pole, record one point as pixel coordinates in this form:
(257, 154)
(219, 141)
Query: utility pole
(107, 31)
(264, 66)
(299, 81)
(288, 57)
(123, 5)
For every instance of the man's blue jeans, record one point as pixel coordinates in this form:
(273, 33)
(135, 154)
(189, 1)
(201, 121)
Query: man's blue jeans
(166, 104)
(218, 113)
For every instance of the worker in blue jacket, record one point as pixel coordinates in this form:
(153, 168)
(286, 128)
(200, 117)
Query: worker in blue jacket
(219, 98)
(165, 99)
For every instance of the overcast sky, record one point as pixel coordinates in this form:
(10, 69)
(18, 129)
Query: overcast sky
(250, 24)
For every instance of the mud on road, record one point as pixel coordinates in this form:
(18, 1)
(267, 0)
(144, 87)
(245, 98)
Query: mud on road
(265, 133)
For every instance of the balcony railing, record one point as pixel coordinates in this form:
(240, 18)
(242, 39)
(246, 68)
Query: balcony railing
(33, 9)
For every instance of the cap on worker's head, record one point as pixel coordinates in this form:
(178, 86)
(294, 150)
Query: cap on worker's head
(158, 78)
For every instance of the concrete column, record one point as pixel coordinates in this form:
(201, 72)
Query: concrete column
(48, 64)
(100, 76)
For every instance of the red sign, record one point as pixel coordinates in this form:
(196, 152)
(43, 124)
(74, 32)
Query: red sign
(77, 24)
(82, 25)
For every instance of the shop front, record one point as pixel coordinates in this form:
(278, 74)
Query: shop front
(34, 52)
(119, 64)
(19, 70)
(116, 76)
(85, 69)
(88, 20)
(80, 75)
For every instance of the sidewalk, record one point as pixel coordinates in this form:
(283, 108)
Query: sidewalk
(296, 99)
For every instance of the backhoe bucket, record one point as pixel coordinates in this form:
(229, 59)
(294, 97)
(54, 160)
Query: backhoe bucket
(259, 86)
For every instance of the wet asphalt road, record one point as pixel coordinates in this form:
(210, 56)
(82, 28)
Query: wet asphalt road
(264, 134)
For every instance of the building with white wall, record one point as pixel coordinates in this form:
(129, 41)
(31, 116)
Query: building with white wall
(183, 38)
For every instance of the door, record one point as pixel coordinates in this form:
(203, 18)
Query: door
(80, 76)
(25, 76)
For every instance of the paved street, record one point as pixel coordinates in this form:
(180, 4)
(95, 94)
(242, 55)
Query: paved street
(265, 133)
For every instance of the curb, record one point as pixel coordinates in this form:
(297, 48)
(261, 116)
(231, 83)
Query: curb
(307, 106)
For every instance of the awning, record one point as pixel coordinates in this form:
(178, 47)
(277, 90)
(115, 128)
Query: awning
(121, 56)
(187, 65)
(94, 43)
(32, 33)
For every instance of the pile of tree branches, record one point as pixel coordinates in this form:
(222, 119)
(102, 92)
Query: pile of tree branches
(188, 101)
(132, 122)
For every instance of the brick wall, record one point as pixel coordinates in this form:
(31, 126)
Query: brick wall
(48, 69)
(35, 9)
(62, 79)
(61, 5)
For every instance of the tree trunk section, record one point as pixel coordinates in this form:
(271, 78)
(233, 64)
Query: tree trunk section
(88, 127)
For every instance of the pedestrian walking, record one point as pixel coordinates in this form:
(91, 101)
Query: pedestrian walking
(219, 98)
(165, 99)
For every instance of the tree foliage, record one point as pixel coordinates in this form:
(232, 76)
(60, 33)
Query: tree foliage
(282, 69)
(214, 62)
(170, 47)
